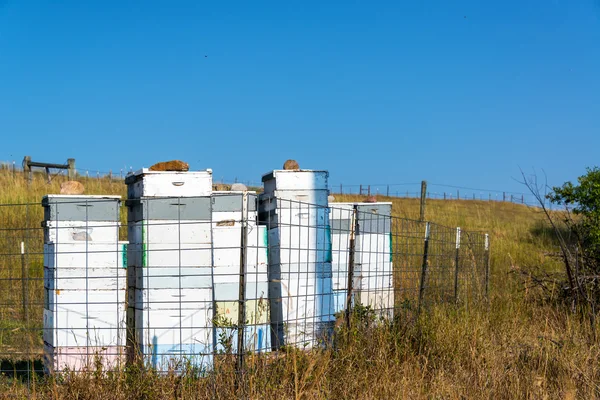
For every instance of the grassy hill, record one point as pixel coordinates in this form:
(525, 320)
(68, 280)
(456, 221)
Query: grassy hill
(520, 345)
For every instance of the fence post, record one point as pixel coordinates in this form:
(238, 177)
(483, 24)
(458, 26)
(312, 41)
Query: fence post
(360, 190)
(369, 190)
(14, 170)
(503, 196)
(456, 265)
(444, 195)
(71, 169)
(24, 283)
(48, 175)
(424, 267)
(351, 261)
(522, 199)
(341, 189)
(487, 266)
(423, 196)
(388, 191)
(242, 287)
(511, 198)
(457, 194)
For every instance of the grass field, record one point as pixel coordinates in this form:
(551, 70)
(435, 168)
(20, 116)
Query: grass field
(521, 345)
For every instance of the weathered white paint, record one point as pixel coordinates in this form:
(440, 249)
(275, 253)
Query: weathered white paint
(75, 326)
(85, 291)
(170, 275)
(75, 358)
(79, 231)
(290, 180)
(146, 183)
(300, 280)
(373, 273)
(169, 231)
(85, 255)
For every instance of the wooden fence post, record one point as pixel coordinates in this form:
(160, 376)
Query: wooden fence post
(423, 196)
(71, 169)
(27, 168)
(351, 256)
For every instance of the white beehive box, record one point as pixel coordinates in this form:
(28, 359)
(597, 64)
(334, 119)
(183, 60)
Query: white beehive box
(373, 272)
(79, 218)
(146, 183)
(84, 281)
(228, 214)
(294, 208)
(57, 359)
(73, 326)
(86, 255)
(169, 265)
(167, 334)
(84, 288)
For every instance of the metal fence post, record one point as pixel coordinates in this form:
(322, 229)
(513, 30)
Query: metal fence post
(24, 283)
(351, 261)
(242, 286)
(487, 266)
(456, 264)
(424, 266)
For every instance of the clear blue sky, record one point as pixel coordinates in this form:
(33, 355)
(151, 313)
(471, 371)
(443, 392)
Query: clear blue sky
(455, 92)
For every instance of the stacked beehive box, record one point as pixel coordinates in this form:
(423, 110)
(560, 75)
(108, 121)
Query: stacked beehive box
(234, 215)
(84, 282)
(373, 274)
(170, 280)
(294, 208)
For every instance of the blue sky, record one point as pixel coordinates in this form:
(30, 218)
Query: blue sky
(459, 93)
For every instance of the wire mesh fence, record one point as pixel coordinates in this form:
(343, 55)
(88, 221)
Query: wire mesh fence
(178, 282)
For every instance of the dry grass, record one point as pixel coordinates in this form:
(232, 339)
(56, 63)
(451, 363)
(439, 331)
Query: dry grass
(520, 346)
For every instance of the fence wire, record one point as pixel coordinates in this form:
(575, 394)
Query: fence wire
(198, 281)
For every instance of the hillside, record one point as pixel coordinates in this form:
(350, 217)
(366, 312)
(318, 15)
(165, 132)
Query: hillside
(519, 346)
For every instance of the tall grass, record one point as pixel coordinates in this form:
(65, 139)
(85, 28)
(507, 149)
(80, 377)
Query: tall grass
(521, 345)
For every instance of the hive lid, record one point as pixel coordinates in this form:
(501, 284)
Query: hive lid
(134, 176)
(270, 175)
